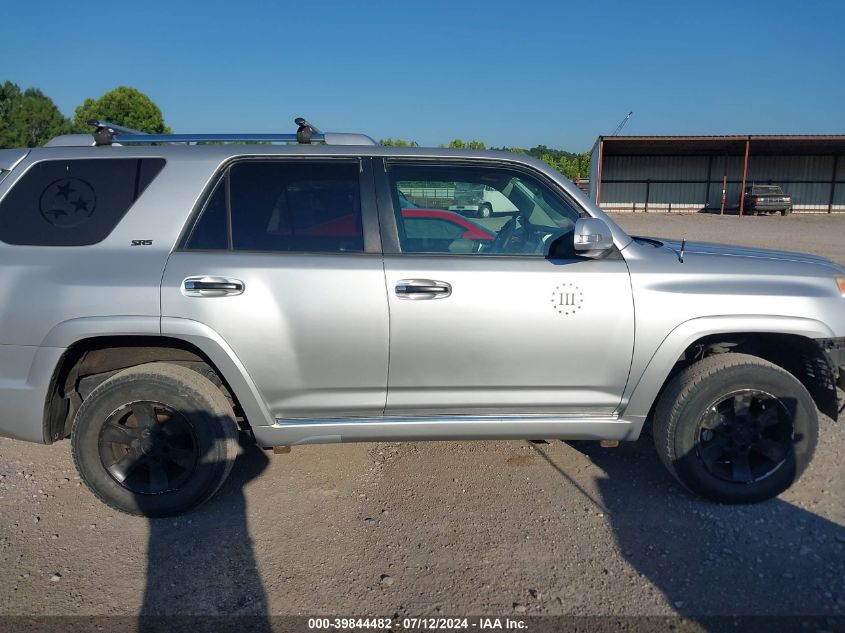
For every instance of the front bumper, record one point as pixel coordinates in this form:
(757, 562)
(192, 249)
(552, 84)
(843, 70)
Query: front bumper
(773, 207)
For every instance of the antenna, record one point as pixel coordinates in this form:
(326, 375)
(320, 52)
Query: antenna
(622, 123)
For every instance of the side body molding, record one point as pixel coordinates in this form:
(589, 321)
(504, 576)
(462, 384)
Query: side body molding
(641, 393)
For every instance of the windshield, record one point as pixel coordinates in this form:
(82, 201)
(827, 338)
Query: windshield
(528, 197)
(468, 193)
(766, 190)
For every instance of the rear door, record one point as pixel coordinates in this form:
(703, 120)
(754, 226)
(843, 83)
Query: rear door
(495, 326)
(283, 262)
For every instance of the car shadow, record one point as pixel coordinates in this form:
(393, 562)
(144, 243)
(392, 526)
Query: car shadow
(708, 559)
(201, 567)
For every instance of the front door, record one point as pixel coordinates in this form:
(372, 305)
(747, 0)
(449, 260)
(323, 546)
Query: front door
(482, 321)
(280, 265)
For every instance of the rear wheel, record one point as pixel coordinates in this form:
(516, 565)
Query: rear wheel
(155, 440)
(735, 428)
(485, 210)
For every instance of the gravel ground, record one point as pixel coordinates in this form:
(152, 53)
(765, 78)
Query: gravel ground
(820, 234)
(442, 528)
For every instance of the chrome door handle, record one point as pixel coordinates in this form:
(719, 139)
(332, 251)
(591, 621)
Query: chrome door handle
(212, 287)
(422, 289)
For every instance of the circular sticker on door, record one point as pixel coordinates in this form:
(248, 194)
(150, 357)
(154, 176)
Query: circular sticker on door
(567, 299)
(68, 202)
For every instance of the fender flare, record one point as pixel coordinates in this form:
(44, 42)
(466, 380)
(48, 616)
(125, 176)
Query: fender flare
(227, 362)
(72, 331)
(204, 338)
(642, 392)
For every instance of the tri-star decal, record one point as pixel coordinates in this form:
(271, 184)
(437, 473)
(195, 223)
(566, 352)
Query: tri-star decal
(68, 202)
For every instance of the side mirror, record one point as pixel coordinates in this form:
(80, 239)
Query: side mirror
(592, 237)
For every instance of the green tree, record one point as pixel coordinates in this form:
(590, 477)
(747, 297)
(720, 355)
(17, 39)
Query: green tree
(123, 106)
(397, 142)
(28, 118)
(9, 92)
(459, 144)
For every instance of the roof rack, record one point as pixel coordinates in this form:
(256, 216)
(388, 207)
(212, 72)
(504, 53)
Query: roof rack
(105, 132)
(108, 134)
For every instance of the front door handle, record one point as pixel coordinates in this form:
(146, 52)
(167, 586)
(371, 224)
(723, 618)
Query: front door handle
(422, 289)
(212, 287)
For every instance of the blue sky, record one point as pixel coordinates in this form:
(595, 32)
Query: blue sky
(514, 73)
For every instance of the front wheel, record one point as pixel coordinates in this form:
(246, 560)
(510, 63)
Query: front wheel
(485, 210)
(155, 440)
(735, 428)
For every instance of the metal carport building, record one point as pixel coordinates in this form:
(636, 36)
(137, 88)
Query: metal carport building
(686, 173)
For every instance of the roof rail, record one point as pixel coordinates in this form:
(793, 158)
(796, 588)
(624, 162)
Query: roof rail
(329, 138)
(108, 134)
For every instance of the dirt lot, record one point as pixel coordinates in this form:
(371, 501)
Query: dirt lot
(441, 528)
(820, 234)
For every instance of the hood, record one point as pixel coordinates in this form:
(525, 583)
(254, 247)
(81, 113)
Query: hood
(726, 250)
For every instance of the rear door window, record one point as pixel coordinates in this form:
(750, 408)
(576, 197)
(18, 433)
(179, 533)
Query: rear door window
(282, 206)
(74, 202)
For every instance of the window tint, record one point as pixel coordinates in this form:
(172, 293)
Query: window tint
(73, 202)
(278, 206)
(476, 210)
(212, 232)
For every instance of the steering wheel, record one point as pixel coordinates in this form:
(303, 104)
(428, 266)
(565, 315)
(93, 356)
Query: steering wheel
(504, 235)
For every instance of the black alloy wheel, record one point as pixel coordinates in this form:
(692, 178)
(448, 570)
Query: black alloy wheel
(745, 436)
(148, 448)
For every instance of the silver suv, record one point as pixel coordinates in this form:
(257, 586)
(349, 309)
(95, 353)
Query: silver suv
(159, 294)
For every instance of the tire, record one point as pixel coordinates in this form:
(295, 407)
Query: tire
(735, 428)
(155, 440)
(785, 212)
(485, 210)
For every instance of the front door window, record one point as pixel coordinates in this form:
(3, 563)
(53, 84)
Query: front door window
(474, 210)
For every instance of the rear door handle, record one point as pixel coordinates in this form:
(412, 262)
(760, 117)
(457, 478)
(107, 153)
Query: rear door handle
(212, 287)
(422, 289)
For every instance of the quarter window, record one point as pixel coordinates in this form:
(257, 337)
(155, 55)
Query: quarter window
(73, 202)
(212, 232)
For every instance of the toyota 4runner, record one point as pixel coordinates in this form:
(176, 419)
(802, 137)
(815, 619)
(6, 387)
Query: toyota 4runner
(160, 294)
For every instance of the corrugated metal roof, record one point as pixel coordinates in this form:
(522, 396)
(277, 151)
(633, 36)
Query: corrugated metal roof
(803, 144)
(741, 137)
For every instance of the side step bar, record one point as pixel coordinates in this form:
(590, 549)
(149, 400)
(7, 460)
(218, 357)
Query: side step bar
(397, 429)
